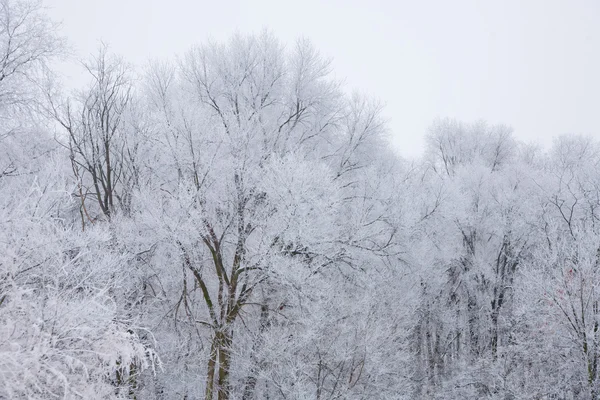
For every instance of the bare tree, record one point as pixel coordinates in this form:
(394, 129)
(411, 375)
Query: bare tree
(451, 144)
(28, 42)
(96, 134)
(267, 154)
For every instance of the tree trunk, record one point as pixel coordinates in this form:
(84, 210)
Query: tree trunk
(210, 372)
(251, 379)
(226, 338)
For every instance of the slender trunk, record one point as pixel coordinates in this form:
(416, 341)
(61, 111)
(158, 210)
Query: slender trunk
(251, 379)
(210, 371)
(473, 325)
(225, 342)
(109, 186)
(430, 355)
(494, 334)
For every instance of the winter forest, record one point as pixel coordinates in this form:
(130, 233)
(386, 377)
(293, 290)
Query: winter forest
(232, 224)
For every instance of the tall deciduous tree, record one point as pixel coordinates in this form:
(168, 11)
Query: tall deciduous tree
(102, 145)
(269, 161)
(28, 44)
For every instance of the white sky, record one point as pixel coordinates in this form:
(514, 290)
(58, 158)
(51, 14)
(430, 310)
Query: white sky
(532, 64)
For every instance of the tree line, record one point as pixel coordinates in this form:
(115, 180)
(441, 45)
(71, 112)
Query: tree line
(234, 225)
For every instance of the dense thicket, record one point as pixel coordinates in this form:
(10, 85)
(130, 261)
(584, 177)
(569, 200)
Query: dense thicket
(234, 226)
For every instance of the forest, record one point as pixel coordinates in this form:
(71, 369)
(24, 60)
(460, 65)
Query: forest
(234, 224)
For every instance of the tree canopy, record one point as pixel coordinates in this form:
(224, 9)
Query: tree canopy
(235, 225)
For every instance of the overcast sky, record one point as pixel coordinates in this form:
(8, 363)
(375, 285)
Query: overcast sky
(532, 64)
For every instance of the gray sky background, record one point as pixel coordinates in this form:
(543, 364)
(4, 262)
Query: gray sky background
(532, 64)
